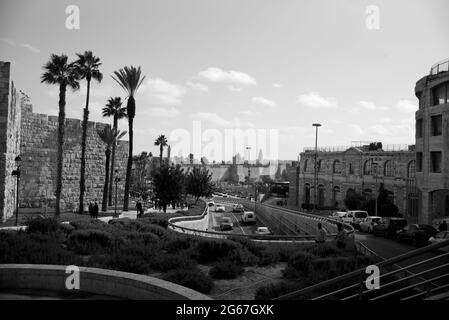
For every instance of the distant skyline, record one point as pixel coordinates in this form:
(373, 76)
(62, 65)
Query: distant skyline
(246, 64)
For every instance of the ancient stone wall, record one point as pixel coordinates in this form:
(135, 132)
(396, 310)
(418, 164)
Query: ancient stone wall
(39, 154)
(9, 140)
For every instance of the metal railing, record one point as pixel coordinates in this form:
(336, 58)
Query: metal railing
(385, 148)
(442, 66)
(409, 285)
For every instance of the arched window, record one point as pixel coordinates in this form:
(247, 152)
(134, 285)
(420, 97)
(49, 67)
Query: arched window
(307, 194)
(335, 196)
(336, 167)
(319, 166)
(411, 169)
(351, 168)
(306, 163)
(321, 195)
(388, 169)
(367, 170)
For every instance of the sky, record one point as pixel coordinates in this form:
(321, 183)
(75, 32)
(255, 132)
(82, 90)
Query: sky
(267, 68)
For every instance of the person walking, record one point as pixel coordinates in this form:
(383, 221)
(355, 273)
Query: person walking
(91, 210)
(139, 209)
(443, 226)
(320, 234)
(341, 237)
(96, 210)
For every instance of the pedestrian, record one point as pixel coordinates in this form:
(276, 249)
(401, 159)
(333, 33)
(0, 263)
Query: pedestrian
(341, 237)
(96, 209)
(443, 226)
(91, 210)
(320, 234)
(139, 209)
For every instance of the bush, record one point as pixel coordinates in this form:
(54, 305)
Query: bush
(298, 266)
(165, 262)
(177, 242)
(91, 241)
(325, 250)
(143, 238)
(268, 256)
(194, 279)
(42, 225)
(274, 290)
(209, 250)
(225, 270)
(157, 221)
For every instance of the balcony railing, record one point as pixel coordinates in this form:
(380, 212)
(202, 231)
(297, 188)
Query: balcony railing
(440, 67)
(386, 148)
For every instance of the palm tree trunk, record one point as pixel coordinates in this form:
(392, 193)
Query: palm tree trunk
(111, 180)
(130, 163)
(160, 154)
(106, 181)
(83, 151)
(61, 127)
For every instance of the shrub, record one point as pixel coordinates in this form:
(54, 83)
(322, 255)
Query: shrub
(144, 238)
(225, 270)
(165, 262)
(177, 242)
(268, 256)
(193, 278)
(274, 290)
(209, 250)
(42, 225)
(298, 266)
(157, 221)
(90, 241)
(325, 250)
(242, 257)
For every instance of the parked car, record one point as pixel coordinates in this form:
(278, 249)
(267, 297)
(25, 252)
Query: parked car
(226, 224)
(211, 203)
(388, 227)
(249, 217)
(417, 234)
(440, 237)
(355, 217)
(220, 208)
(263, 231)
(238, 208)
(368, 224)
(338, 215)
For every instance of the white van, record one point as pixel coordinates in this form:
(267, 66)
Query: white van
(249, 217)
(355, 217)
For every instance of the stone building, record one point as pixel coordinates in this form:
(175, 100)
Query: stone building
(360, 169)
(33, 136)
(432, 143)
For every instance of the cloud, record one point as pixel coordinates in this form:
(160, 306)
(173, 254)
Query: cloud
(406, 106)
(162, 112)
(367, 105)
(219, 121)
(30, 47)
(8, 41)
(249, 113)
(196, 86)
(264, 102)
(163, 92)
(234, 89)
(314, 100)
(277, 85)
(220, 76)
(356, 129)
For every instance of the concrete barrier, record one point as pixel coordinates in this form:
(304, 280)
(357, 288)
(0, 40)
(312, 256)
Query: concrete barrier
(94, 281)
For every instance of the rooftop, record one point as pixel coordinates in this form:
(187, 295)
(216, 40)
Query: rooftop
(442, 66)
(365, 148)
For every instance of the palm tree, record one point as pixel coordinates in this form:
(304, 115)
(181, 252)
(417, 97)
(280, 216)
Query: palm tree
(161, 141)
(87, 67)
(59, 71)
(113, 109)
(109, 137)
(130, 79)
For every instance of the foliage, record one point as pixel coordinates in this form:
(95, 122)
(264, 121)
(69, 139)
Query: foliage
(225, 270)
(168, 184)
(299, 266)
(276, 289)
(91, 241)
(199, 182)
(353, 200)
(43, 225)
(192, 278)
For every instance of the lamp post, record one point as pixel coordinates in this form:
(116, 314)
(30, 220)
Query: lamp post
(249, 169)
(375, 176)
(315, 182)
(16, 173)
(116, 180)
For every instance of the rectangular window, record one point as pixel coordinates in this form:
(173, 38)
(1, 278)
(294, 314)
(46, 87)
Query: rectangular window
(419, 128)
(437, 125)
(419, 162)
(435, 161)
(440, 93)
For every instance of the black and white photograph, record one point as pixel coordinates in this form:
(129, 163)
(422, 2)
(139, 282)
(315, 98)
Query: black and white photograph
(229, 156)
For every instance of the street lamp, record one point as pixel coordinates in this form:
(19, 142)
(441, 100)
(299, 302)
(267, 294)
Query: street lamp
(116, 180)
(249, 171)
(375, 176)
(16, 173)
(315, 182)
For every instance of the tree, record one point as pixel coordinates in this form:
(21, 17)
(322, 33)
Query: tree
(199, 182)
(60, 72)
(87, 67)
(109, 137)
(353, 200)
(130, 79)
(161, 142)
(113, 109)
(168, 184)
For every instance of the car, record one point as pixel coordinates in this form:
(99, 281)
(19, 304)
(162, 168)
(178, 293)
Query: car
(220, 208)
(238, 208)
(263, 231)
(417, 234)
(249, 217)
(440, 237)
(211, 204)
(388, 226)
(226, 224)
(368, 224)
(338, 215)
(355, 217)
